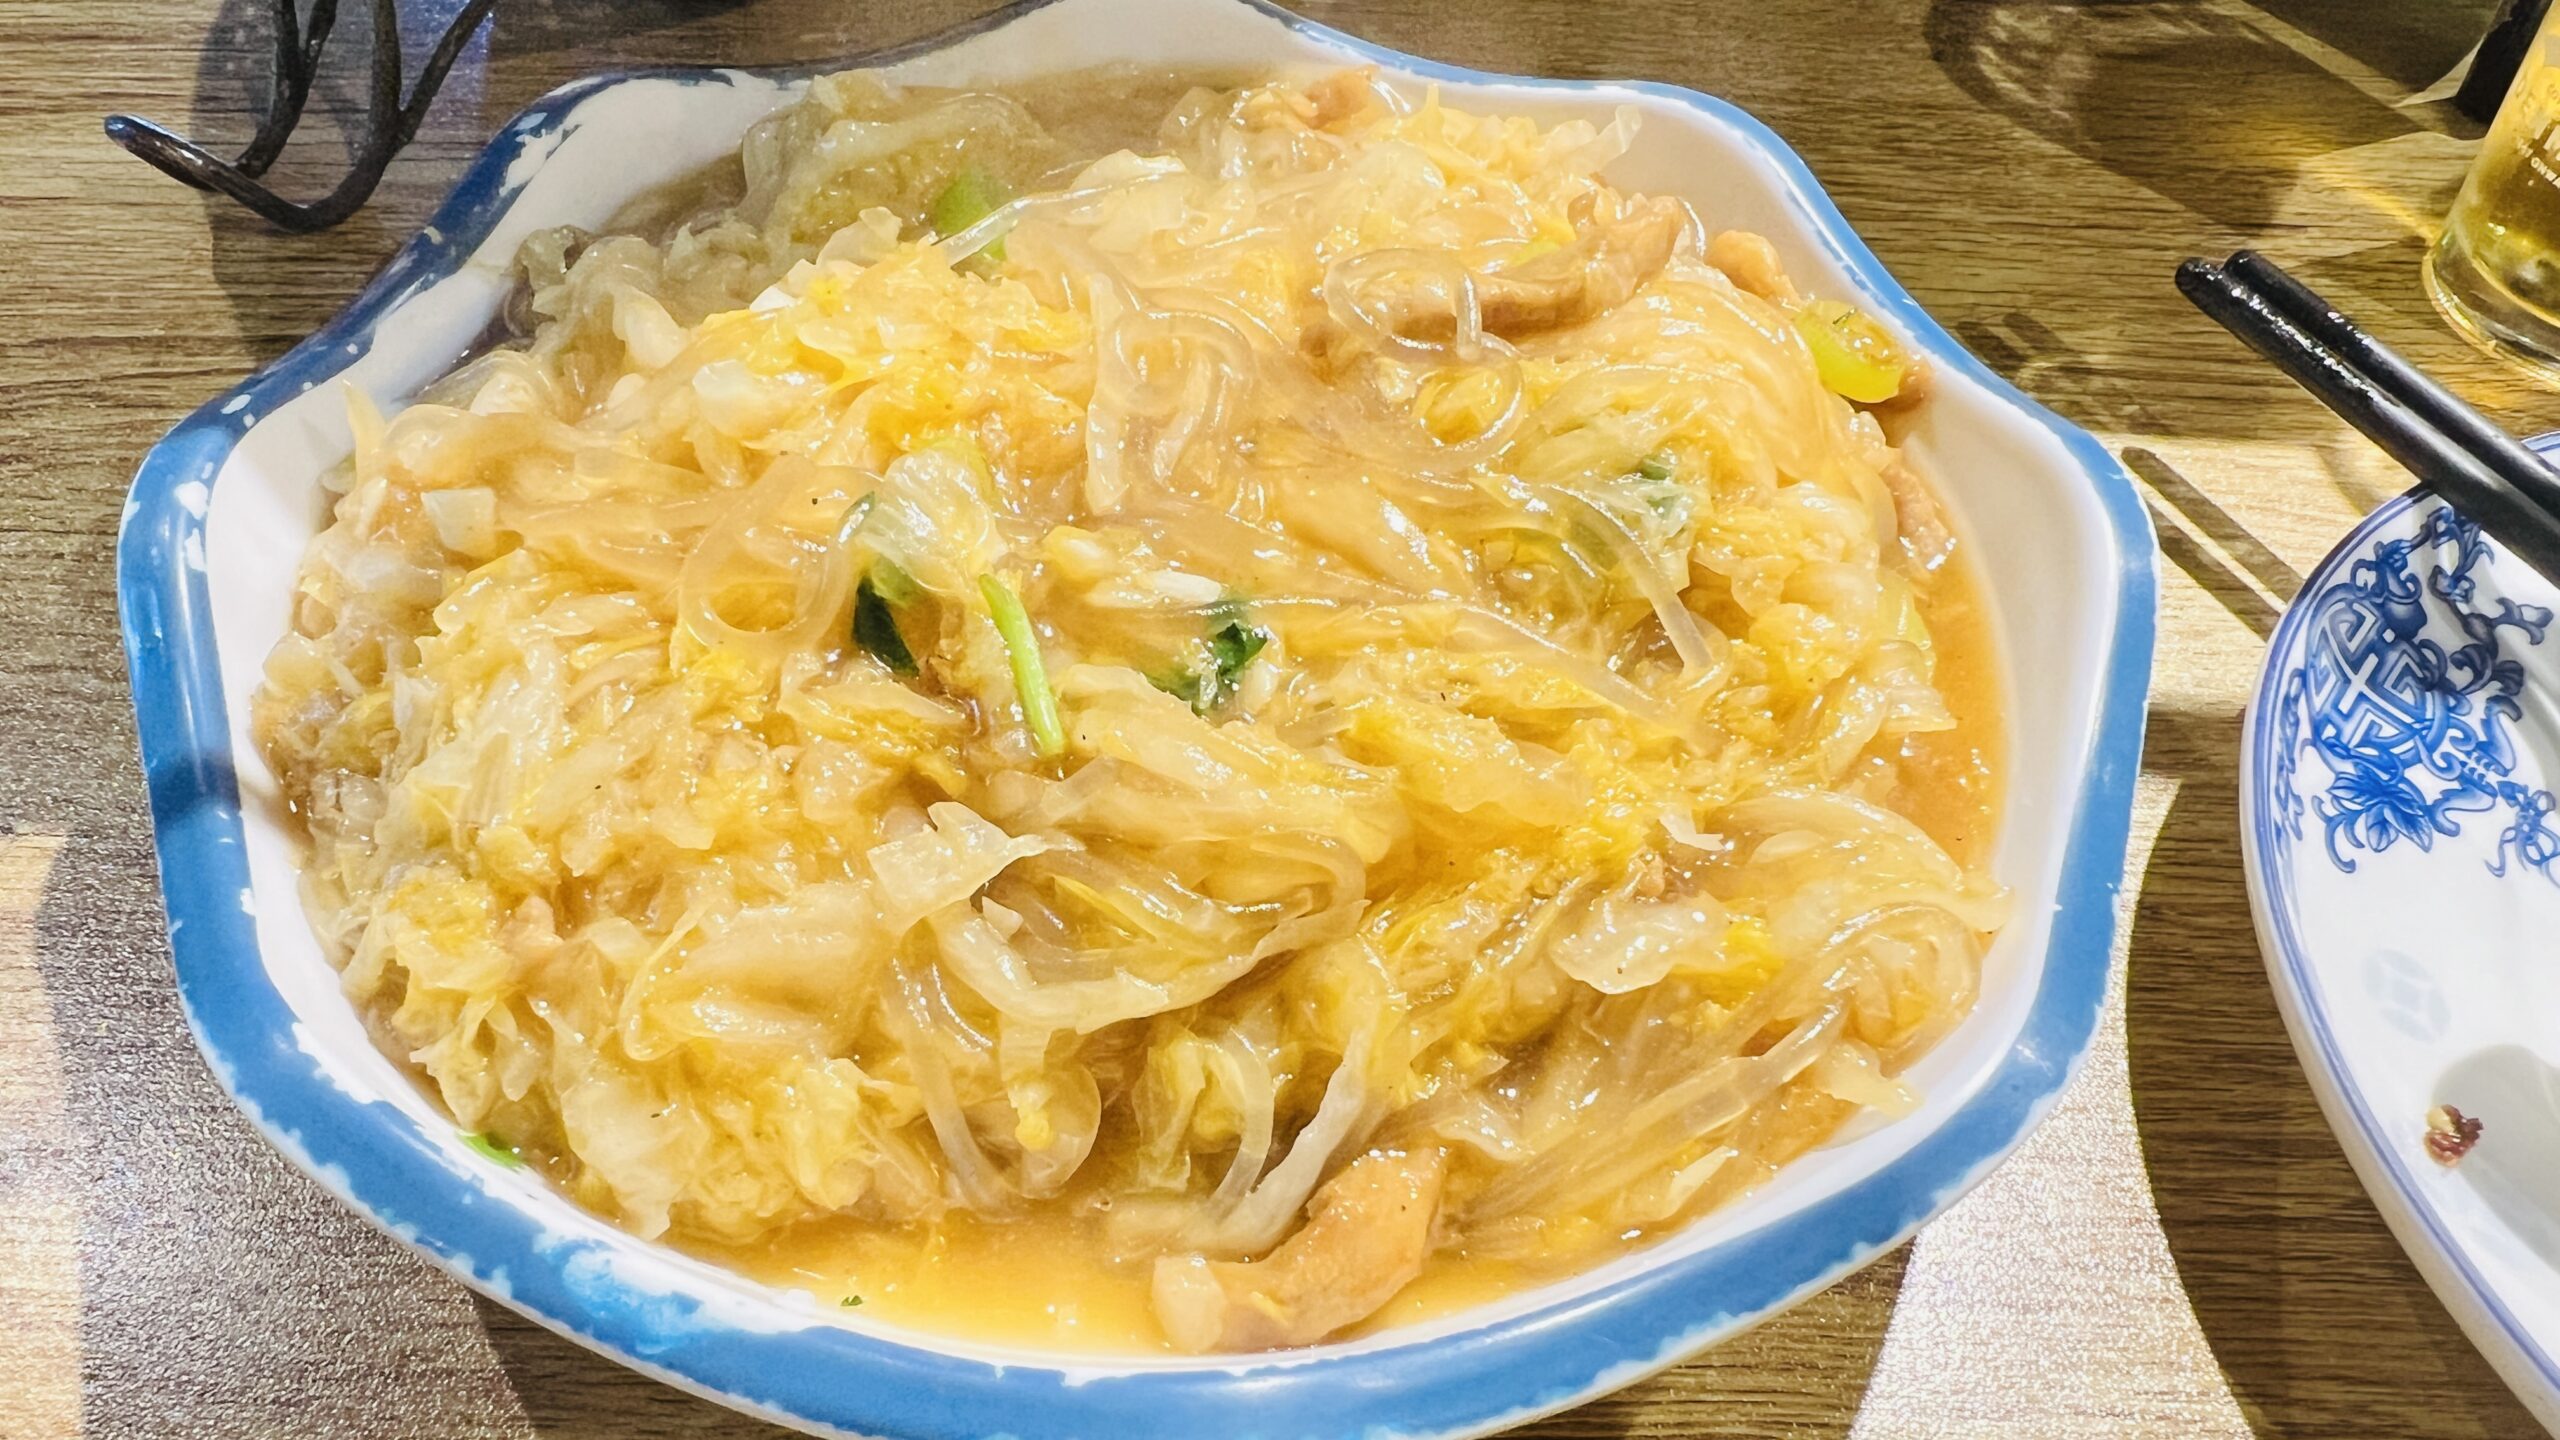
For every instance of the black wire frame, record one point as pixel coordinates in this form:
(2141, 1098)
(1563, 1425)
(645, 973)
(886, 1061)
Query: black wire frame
(391, 120)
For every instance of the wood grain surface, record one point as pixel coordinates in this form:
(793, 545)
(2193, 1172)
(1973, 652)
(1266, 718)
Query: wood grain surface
(2180, 1252)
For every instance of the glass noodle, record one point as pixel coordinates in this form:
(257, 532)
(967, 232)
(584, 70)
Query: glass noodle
(1299, 694)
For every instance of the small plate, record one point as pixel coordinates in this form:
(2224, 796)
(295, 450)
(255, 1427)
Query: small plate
(2398, 795)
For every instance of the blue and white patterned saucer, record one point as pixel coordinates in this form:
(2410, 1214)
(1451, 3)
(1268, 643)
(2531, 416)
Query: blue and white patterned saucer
(2397, 813)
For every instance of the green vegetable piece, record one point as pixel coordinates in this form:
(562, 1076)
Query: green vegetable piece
(1233, 642)
(851, 1302)
(1182, 685)
(1030, 677)
(506, 1155)
(1656, 466)
(859, 511)
(875, 628)
(972, 196)
(893, 583)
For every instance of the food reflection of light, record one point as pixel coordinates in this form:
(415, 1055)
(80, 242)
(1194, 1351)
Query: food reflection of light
(1401, 675)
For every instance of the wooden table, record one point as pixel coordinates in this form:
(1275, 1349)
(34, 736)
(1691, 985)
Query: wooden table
(2181, 1251)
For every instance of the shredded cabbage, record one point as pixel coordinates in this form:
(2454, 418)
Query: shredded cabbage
(1342, 635)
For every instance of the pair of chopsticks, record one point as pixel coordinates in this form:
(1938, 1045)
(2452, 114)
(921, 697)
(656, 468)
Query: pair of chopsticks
(2453, 449)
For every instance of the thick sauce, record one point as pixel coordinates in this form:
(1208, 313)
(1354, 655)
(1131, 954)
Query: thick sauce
(1046, 1280)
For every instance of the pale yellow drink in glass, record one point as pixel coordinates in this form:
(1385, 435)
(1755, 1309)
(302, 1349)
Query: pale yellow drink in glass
(2495, 272)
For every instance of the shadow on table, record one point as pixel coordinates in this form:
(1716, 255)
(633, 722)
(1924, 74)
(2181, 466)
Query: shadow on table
(2319, 1322)
(1801, 1375)
(2065, 71)
(2284, 124)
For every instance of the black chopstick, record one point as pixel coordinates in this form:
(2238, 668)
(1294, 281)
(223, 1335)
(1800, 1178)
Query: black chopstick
(2528, 472)
(2451, 448)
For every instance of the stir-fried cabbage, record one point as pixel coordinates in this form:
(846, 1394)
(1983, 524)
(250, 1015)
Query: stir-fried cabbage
(978, 678)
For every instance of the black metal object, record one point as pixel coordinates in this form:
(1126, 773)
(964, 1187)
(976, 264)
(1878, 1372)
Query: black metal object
(391, 119)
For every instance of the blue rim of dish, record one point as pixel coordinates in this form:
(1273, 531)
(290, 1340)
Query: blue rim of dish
(1500, 1373)
(2277, 904)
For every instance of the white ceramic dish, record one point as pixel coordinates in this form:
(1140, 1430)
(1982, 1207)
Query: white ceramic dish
(223, 507)
(2397, 783)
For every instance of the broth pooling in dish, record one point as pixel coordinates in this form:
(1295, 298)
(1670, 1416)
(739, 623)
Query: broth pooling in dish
(1308, 699)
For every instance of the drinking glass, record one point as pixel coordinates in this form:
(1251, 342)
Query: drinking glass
(2495, 271)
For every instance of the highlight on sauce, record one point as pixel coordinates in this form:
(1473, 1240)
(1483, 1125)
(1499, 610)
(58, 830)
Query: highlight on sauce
(1200, 722)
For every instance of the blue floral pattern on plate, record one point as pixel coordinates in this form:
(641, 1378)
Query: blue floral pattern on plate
(2406, 694)
(2411, 693)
